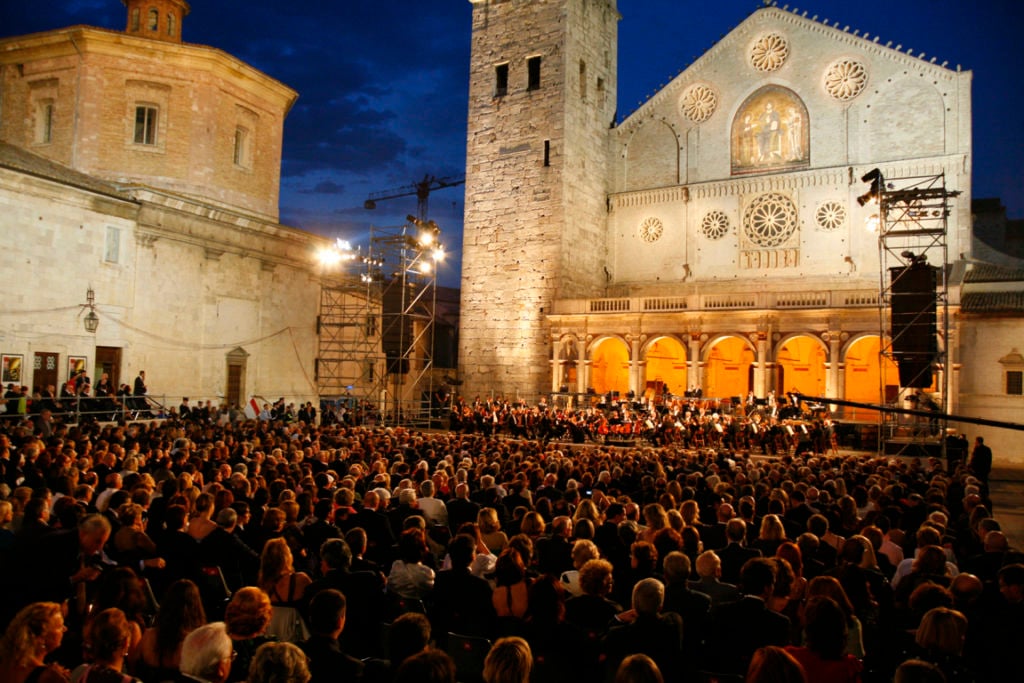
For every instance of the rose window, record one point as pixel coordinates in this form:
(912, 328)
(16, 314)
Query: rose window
(651, 229)
(831, 216)
(846, 79)
(770, 220)
(769, 53)
(699, 103)
(715, 225)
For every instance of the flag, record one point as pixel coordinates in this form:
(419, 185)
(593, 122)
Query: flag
(252, 409)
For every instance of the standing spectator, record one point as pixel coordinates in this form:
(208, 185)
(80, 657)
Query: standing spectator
(981, 460)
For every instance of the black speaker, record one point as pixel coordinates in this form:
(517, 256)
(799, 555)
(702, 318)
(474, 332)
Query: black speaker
(912, 316)
(396, 327)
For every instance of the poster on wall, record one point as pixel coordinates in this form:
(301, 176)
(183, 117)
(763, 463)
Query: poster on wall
(12, 365)
(76, 365)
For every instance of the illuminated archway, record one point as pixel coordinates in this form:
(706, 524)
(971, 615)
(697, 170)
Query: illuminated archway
(800, 366)
(864, 371)
(727, 368)
(609, 366)
(666, 366)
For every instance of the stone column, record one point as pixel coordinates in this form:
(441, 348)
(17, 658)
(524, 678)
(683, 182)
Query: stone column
(581, 354)
(833, 364)
(761, 384)
(557, 364)
(695, 368)
(634, 363)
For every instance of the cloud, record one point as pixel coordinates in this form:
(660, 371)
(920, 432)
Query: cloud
(325, 187)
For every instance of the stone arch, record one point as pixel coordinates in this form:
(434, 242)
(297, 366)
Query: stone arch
(891, 134)
(609, 364)
(665, 364)
(864, 369)
(652, 156)
(728, 362)
(800, 364)
(770, 131)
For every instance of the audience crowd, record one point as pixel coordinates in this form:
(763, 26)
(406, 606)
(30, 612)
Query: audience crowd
(274, 550)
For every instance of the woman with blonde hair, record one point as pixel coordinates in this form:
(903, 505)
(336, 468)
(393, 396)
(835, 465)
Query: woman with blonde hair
(583, 551)
(771, 536)
(656, 519)
(490, 530)
(285, 587)
(200, 526)
(940, 638)
(509, 661)
(34, 633)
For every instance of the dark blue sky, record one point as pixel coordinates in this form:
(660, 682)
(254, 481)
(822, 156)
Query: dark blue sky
(383, 83)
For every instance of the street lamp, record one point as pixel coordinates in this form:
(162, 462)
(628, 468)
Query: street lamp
(91, 320)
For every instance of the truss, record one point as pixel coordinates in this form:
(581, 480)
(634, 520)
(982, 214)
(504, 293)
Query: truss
(913, 226)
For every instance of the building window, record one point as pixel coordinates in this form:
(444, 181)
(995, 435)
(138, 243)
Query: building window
(547, 152)
(112, 248)
(44, 122)
(371, 326)
(134, 25)
(172, 25)
(154, 19)
(145, 125)
(501, 80)
(242, 155)
(583, 80)
(1015, 382)
(533, 73)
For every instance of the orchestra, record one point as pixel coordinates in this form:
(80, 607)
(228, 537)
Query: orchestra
(773, 425)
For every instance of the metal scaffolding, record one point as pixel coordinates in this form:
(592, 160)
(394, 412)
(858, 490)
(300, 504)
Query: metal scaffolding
(407, 256)
(913, 222)
(350, 360)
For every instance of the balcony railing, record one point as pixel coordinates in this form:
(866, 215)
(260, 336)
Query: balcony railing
(734, 301)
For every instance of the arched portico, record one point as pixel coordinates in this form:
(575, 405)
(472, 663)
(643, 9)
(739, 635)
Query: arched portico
(864, 370)
(801, 365)
(664, 367)
(609, 365)
(728, 367)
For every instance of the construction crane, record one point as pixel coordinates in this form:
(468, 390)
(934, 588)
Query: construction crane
(422, 190)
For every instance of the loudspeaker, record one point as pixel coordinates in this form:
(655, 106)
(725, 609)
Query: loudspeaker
(396, 327)
(912, 316)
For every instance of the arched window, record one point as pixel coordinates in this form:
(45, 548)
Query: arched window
(135, 19)
(770, 132)
(154, 19)
(172, 25)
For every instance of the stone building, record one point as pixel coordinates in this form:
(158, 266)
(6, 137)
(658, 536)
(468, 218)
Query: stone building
(146, 170)
(713, 240)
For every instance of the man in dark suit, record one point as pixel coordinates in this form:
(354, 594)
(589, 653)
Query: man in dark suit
(379, 537)
(693, 607)
(327, 660)
(364, 591)
(709, 568)
(981, 460)
(460, 508)
(649, 631)
(739, 628)
(461, 601)
(735, 554)
(222, 547)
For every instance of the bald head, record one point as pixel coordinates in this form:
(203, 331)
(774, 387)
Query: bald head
(996, 542)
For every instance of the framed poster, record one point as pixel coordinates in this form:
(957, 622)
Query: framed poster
(76, 365)
(12, 365)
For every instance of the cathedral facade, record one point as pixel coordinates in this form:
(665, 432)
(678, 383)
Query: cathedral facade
(720, 238)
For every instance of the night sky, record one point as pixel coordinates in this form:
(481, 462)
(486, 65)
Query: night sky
(383, 84)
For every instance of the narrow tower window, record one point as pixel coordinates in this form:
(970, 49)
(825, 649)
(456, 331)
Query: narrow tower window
(135, 19)
(145, 125)
(44, 124)
(533, 73)
(241, 147)
(154, 19)
(172, 25)
(547, 152)
(583, 80)
(501, 80)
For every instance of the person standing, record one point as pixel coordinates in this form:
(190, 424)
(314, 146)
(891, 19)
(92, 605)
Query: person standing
(981, 460)
(139, 394)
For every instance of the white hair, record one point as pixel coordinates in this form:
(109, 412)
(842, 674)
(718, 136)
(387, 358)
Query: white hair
(204, 649)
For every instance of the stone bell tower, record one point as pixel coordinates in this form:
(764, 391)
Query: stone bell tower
(157, 19)
(542, 98)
